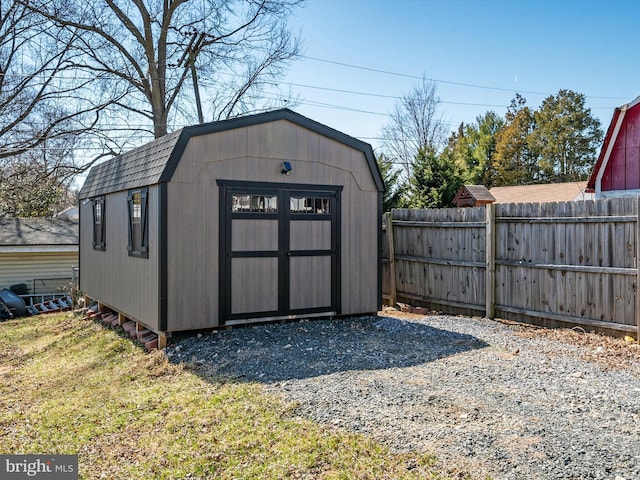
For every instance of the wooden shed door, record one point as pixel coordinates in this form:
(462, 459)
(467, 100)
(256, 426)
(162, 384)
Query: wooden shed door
(280, 251)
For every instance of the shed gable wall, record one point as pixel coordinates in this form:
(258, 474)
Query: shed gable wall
(256, 153)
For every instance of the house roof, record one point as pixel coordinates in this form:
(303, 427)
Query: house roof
(15, 231)
(609, 141)
(156, 161)
(541, 193)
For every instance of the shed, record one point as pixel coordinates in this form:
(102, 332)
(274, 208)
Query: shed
(263, 217)
(39, 252)
(617, 170)
(473, 196)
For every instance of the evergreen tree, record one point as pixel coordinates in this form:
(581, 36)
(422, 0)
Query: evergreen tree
(515, 157)
(556, 143)
(396, 188)
(566, 136)
(435, 180)
(473, 147)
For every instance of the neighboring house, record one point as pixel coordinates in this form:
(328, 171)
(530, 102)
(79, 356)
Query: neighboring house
(541, 193)
(71, 213)
(39, 252)
(264, 217)
(473, 196)
(617, 170)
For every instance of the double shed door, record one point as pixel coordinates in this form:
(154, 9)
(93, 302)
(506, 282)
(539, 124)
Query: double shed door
(280, 250)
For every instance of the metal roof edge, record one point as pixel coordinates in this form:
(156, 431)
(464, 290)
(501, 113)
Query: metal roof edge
(631, 104)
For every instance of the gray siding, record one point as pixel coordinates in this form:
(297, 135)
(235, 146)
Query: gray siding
(128, 284)
(29, 266)
(255, 153)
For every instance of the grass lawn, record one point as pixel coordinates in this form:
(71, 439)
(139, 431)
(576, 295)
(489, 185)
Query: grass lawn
(71, 386)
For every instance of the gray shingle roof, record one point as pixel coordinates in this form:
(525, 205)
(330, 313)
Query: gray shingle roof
(139, 167)
(155, 162)
(38, 231)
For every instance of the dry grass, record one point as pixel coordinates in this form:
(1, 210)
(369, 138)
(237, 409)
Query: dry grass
(70, 386)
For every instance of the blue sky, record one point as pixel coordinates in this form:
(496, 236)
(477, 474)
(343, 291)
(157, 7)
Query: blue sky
(532, 47)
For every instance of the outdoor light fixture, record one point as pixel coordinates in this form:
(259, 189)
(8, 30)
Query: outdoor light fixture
(286, 168)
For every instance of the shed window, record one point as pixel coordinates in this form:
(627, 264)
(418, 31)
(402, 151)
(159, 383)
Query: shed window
(138, 222)
(310, 205)
(255, 203)
(98, 224)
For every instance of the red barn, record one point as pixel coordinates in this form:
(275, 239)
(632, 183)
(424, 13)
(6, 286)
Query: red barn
(617, 170)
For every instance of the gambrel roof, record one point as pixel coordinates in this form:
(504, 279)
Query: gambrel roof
(156, 161)
(141, 166)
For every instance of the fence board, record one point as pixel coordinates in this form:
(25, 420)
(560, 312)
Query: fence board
(570, 262)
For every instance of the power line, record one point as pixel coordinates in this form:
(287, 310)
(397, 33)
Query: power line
(380, 95)
(448, 82)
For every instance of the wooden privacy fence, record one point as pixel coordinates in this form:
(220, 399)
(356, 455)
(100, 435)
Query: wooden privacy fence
(546, 263)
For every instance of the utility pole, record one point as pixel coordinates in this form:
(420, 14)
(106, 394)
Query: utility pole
(190, 55)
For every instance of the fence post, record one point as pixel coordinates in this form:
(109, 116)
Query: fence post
(73, 287)
(638, 269)
(392, 263)
(490, 269)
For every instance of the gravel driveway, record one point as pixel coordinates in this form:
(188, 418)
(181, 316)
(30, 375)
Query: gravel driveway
(477, 393)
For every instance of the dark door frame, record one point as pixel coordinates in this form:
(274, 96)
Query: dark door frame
(227, 188)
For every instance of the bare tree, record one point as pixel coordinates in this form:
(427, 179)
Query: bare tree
(415, 126)
(146, 50)
(37, 101)
(46, 112)
(37, 182)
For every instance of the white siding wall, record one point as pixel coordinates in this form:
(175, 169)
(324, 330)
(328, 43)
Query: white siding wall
(25, 267)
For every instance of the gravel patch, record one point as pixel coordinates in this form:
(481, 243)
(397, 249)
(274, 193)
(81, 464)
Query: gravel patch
(480, 395)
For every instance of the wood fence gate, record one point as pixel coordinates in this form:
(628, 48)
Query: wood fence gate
(554, 264)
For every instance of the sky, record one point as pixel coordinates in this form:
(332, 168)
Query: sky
(359, 56)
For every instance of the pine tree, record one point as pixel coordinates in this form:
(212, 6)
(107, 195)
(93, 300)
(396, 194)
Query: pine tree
(396, 188)
(435, 180)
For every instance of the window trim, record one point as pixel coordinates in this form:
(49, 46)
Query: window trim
(143, 251)
(266, 207)
(99, 238)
